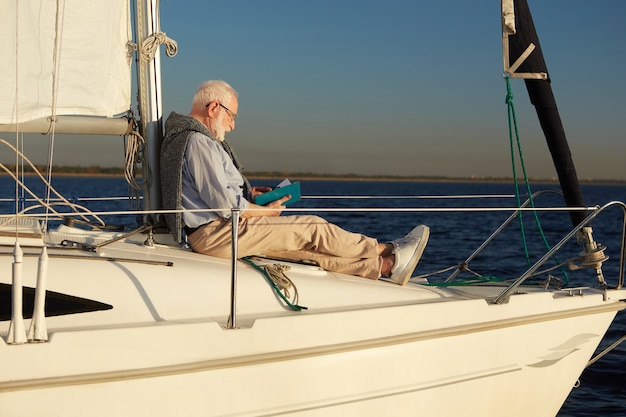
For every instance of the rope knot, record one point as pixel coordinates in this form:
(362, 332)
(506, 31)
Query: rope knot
(150, 45)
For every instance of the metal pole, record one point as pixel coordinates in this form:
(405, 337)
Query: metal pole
(232, 322)
(150, 107)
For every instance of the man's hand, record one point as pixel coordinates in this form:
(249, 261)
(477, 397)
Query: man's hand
(275, 208)
(260, 190)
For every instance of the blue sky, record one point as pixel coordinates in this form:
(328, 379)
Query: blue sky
(399, 87)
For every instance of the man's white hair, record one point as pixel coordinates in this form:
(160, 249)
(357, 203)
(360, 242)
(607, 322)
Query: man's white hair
(212, 90)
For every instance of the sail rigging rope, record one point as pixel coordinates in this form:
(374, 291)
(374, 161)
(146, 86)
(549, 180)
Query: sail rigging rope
(605, 351)
(47, 204)
(56, 63)
(135, 145)
(16, 109)
(513, 131)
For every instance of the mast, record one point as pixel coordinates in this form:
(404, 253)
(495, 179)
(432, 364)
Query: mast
(148, 32)
(523, 47)
(520, 45)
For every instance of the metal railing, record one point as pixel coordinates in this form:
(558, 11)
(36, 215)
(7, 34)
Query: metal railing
(504, 296)
(499, 230)
(501, 298)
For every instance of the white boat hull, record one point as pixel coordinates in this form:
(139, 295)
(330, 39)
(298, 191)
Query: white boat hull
(362, 348)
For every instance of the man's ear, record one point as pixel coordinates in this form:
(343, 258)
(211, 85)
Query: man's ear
(211, 109)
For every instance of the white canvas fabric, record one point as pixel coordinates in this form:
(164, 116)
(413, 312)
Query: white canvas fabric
(90, 40)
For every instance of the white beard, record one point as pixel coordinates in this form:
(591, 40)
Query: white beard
(221, 127)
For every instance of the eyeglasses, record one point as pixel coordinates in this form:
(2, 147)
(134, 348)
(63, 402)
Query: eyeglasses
(232, 115)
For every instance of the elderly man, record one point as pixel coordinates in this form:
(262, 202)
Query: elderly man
(210, 178)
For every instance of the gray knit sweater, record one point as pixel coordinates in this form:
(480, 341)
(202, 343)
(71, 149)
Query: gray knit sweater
(178, 128)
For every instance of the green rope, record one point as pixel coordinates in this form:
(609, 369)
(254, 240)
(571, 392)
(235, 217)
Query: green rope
(294, 307)
(513, 128)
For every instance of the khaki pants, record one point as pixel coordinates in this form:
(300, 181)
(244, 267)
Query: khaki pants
(296, 238)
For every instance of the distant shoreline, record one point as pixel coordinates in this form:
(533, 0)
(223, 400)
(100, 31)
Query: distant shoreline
(353, 177)
(433, 179)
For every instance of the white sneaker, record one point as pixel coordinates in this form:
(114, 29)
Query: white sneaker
(408, 251)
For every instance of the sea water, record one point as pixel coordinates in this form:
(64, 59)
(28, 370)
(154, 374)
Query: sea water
(392, 208)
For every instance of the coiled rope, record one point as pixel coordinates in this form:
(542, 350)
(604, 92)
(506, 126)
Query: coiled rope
(150, 45)
(135, 145)
(280, 283)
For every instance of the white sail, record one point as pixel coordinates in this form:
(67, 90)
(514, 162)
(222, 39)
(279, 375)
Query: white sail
(92, 69)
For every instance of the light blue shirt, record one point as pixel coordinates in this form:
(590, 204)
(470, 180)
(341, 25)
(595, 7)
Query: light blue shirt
(210, 181)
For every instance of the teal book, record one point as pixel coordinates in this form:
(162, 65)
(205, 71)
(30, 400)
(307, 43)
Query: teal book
(292, 189)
